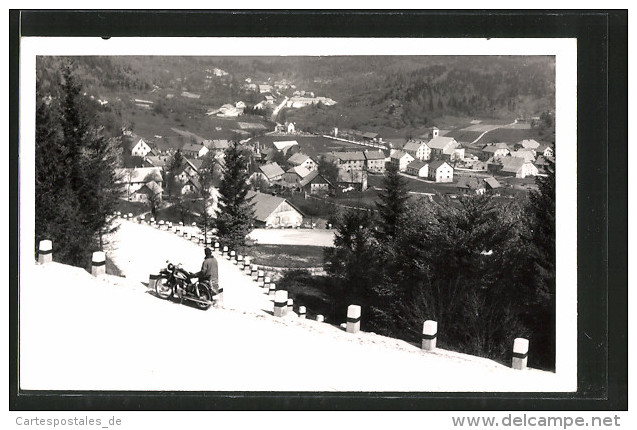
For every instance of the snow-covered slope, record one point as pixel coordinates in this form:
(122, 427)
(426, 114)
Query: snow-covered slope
(78, 332)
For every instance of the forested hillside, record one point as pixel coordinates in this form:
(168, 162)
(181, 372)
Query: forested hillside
(406, 92)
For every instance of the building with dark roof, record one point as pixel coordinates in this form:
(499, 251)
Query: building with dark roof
(274, 212)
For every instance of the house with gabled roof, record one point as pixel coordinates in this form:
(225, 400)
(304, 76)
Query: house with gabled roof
(470, 185)
(300, 159)
(401, 160)
(444, 148)
(491, 183)
(513, 166)
(136, 146)
(191, 186)
(216, 145)
(274, 212)
(440, 171)
(418, 168)
(315, 183)
(155, 161)
(545, 150)
(356, 179)
(188, 169)
(271, 172)
(494, 151)
(191, 149)
(417, 149)
(527, 154)
(349, 160)
(375, 161)
(295, 175)
(133, 179)
(148, 191)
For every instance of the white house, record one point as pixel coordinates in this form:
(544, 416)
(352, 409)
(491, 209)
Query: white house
(527, 154)
(418, 149)
(418, 168)
(401, 160)
(545, 150)
(516, 166)
(136, 146)
(495, 151)
(274, 212)
(440, 171)
(350, 160)
(300, 159)
(444, 148)
(132, 180)
(375, 161)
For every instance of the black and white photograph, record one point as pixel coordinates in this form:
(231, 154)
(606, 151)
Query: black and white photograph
(273, 214)
(323, 217)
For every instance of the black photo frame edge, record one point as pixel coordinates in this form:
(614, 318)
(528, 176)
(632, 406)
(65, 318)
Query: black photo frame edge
(602, 195)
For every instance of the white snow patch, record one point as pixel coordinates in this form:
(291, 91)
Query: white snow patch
(78, 332)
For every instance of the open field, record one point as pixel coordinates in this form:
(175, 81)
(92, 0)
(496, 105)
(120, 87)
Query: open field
(464, 135)
(149, 124)
(290, 256)
(510, 136)
(313, 145)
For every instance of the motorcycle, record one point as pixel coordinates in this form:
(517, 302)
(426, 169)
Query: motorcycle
(174, 281)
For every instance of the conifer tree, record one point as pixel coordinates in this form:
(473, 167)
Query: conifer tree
(235, 213)
(76, 184)
(208, 176)
(392, 204)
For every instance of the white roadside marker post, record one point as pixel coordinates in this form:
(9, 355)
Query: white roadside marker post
(429, 335)
(45, 252)
(290, 308)
(353, 318)
(520, 353)
(302, 312)
(280, 303)
(98, 264)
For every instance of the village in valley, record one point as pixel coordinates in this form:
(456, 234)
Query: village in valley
(290, 188)
(414, 188)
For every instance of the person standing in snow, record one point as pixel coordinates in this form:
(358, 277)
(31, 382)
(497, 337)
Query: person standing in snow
(209, 271)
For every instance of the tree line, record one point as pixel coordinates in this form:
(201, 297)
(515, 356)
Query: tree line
(75, 177)
(483, 269)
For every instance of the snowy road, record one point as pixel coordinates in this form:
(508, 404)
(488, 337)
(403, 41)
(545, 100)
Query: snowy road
(78, 332)
(140, 250)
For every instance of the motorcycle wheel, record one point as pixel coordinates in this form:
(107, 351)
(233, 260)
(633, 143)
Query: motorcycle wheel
(163, 288)
(204, 294)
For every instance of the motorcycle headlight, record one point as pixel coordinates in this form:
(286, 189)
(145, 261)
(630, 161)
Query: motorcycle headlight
(170, 267)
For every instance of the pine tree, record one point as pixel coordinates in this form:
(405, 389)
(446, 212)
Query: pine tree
(76, 189)
(172, 170)
(208, 175)
(327, 169)
(540, 258)
(392, 202)
(235, 212)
